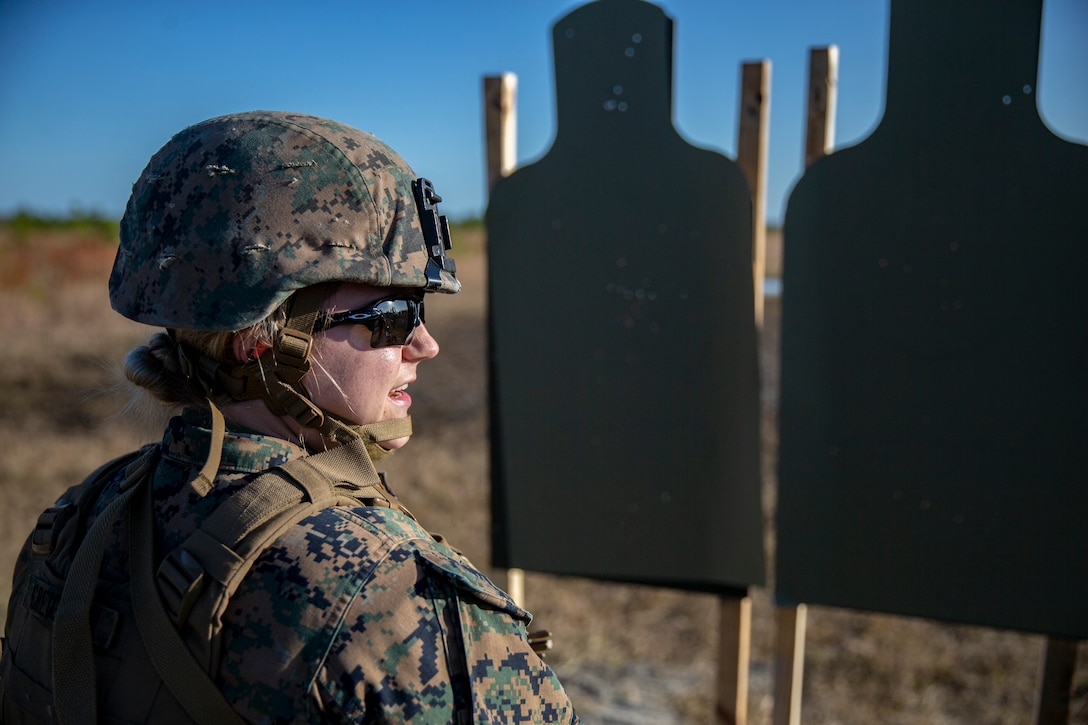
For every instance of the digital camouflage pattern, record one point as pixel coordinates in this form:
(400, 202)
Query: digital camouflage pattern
(353, 615)
(235, 213)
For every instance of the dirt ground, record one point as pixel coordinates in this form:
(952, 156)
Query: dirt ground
(627, 654)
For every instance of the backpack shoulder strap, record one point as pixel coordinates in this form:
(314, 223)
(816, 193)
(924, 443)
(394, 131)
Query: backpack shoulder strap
(197, 579)
(190, 685)
(73, 651)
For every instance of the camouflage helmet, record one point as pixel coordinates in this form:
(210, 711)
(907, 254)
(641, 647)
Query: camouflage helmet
(236, 213)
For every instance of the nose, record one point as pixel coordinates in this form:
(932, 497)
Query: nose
(423, 346)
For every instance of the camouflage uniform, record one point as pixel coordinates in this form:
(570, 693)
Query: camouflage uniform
(355, 614)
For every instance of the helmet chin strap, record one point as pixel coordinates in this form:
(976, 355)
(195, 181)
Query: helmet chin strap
(372, 434)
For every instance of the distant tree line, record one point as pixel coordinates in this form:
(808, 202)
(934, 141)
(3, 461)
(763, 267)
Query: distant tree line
(24, 223)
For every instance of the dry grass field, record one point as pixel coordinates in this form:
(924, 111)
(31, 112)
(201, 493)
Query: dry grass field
(627, 654)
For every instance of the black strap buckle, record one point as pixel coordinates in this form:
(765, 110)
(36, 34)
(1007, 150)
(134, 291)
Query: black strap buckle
(180, 579)
(541, 641)
(44, 538)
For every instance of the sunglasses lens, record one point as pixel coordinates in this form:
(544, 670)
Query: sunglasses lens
(397, 321)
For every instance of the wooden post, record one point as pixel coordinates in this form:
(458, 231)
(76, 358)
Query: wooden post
(1058, 664)
(755, 111)
(789, 663)
(501, 143)
(501, 126)
(734, 653)
(790, 622)
(735, 629)
(823, 80)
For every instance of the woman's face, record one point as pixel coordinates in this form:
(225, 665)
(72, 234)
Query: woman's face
(358, 382)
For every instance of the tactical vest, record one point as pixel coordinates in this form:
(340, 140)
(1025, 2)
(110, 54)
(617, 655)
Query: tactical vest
(153, 639)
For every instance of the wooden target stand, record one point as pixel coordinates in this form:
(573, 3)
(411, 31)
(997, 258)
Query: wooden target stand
(1057, 665)
(500, 120)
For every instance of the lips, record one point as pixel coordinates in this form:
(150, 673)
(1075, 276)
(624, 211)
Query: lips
(400, 395)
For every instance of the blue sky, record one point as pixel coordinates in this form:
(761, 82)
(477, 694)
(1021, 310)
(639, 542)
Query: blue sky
(89, 90)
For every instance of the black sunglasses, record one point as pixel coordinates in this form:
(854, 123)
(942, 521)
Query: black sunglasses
(392, 320)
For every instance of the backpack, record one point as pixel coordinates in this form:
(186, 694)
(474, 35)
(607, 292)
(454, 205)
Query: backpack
(81, 649)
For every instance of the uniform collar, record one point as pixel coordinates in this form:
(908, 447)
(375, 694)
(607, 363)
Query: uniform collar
(188, 438)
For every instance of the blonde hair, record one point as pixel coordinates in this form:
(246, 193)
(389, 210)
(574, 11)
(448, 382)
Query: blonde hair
(155, 369)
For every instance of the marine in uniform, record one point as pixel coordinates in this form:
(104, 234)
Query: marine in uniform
(288, 258)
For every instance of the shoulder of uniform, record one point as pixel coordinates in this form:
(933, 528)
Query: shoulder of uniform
(394, 527)
(396, 535)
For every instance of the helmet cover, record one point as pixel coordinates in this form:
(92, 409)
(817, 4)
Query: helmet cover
(236, 213)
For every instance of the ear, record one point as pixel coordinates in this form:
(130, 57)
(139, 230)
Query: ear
(245, 348)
